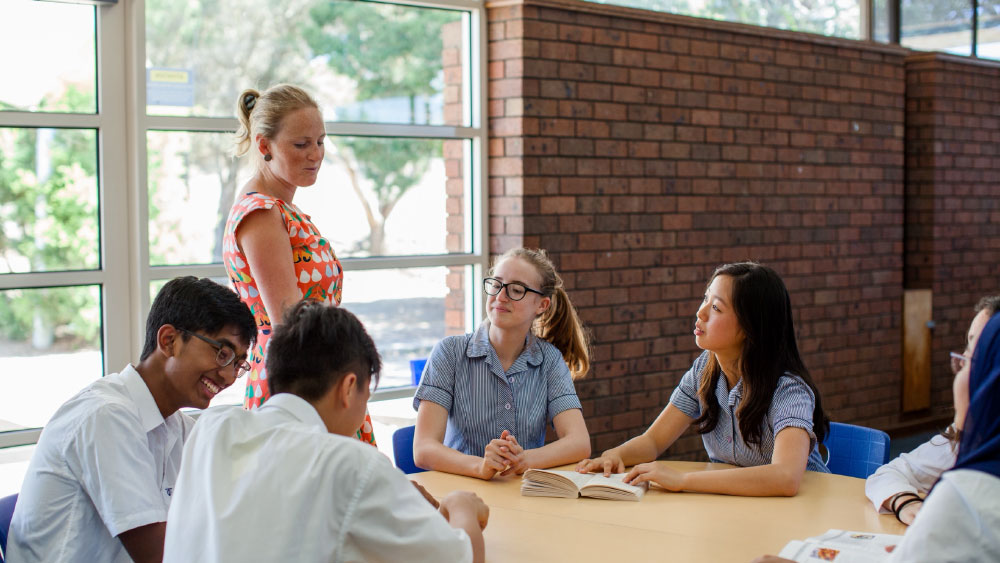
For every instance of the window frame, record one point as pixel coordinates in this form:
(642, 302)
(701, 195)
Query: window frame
(121, 122)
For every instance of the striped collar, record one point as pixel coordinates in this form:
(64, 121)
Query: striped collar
(725, 395)
(479, 346)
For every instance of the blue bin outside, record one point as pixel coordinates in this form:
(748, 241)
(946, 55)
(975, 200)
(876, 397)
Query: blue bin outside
(416, 370)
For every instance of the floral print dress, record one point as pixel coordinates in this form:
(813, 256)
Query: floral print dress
(319, 274)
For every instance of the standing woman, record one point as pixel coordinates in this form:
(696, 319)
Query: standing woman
(486, 398)
(749, 395)
(273, 253)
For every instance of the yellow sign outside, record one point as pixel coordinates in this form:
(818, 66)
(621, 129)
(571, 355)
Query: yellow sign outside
(175, 76)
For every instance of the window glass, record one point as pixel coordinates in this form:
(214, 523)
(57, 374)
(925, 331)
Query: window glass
(406, 312)
(388, 197)
(48, 200)
(50, 348)
(839, 18)
(192, 181)
(937, 25)
(56, 37)
(362, 61)
(374, 196)
(988, 38)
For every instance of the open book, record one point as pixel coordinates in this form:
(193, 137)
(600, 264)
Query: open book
(842, 547)
(570, 484)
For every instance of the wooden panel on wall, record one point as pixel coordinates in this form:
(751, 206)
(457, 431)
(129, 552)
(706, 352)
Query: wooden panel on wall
(916, 349)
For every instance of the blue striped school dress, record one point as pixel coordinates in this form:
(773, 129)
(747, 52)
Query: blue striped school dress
(464, 376)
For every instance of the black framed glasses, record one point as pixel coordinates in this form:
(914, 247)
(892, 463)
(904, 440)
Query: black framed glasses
(515, 290)
(225, 356)
(957, 362)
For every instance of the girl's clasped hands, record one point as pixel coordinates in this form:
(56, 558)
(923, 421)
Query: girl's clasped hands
(503, 456)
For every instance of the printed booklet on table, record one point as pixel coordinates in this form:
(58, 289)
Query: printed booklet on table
(842, 547)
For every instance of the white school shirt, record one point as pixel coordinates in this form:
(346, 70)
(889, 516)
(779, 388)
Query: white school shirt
(960, 522)
(913, 472)
(105, 463)
(273, 484)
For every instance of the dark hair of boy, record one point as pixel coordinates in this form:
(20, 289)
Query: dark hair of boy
(315, 346)
(197, 305)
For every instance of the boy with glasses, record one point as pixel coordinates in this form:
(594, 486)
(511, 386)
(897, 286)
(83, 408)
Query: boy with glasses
(899, 486)
(326, 495)
(102, 475)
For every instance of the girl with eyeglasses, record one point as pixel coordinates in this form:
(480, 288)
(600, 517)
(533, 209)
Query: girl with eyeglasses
(748, 394)
(900, 486)
(486, 398)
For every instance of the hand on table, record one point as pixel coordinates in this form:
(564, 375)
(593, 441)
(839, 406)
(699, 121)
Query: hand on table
(669, 479)
(609, 462)
(457, 502)
(499, 457)
(503, 455)
(514, 454)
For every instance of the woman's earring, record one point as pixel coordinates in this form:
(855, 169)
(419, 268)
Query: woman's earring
(267, 157)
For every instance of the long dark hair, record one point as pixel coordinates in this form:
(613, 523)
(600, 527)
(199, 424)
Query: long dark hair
(764, 311)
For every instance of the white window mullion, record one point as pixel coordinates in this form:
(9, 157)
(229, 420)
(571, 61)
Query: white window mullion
(140, 273)
(119, 338)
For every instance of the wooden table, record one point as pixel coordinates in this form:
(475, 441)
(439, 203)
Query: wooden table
(663, 526)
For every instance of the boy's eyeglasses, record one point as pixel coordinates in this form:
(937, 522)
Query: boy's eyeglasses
(515, 290)
(226, 355)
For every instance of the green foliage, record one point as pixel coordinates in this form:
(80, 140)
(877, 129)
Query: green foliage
(389, 52)
(48, 215)
(838, 18)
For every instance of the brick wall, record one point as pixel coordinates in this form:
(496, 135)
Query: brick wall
(952, 193)
(643, 150)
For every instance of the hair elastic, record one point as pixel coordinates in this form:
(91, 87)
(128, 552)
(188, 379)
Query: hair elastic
(899, 503)
(250, 100)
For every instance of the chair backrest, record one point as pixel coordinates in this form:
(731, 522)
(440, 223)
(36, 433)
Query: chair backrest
(855, 451)
(402, 450)
(417, 370)
(6, 511)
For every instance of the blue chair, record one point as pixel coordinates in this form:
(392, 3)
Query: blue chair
(402, 450)
(6, 511)
(855, 451)
(417, 370)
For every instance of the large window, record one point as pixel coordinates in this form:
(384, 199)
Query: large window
(115, 172)
(837, 18)
(959, 27)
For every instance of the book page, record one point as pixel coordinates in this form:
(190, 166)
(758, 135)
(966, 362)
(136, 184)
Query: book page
(552, 483)
(613, 487)
(578, 480)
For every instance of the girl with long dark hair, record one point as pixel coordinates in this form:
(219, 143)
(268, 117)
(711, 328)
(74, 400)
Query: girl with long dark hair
(748, 394)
